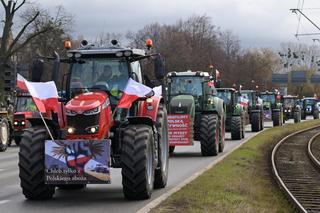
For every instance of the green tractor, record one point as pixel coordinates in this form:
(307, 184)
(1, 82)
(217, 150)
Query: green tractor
(272, 106)
(195, 112)
(236, 118)
(292, 109)
(255, 109)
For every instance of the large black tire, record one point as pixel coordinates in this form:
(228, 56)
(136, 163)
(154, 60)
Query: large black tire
(222, 131)
(236, 128)
(17, 140)
(161, 173)
(171, 149)
(297, 117)
(303, 115)
(138, 162)
(31, 165)
(316, 114)
(209, 135)
(4, 135)
(276, 119)
(255, 122)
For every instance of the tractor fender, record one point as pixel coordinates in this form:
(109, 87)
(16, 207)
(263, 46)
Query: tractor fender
(141, 120)
(149, 108)
(220, 107)
(53, 126)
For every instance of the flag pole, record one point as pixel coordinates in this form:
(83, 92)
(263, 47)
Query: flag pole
(46, 126)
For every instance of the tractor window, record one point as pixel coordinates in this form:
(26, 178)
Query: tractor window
(289, 102)
(25, 104)
(225, 95)
(268, 98)
(186, 85)
(247, 96)
(98, 73)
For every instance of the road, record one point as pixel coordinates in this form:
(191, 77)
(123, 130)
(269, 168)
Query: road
(100, 198)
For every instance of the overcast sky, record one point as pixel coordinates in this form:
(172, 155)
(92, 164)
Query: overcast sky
(258, 23)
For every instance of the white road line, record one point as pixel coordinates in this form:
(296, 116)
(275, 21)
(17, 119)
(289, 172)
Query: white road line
(4, 201)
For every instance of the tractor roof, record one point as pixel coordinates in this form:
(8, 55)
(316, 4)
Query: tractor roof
(188, 73)
(290, 96)
(247, 91)
(112, 50)
(224, 89)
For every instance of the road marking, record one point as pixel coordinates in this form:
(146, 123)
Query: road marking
(164, 196)
(4, 201)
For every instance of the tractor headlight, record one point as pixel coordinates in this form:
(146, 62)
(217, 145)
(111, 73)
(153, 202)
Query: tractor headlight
(23, 123)
(289, 110)
(92, 111)
(71, 130)
(92, 129)
(211, 101)
(70, 112)
(16, 123)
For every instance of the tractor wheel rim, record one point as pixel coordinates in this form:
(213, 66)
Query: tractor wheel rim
(4, 134)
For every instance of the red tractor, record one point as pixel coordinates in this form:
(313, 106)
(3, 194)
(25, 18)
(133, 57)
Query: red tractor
(24, 109)
(89, 123)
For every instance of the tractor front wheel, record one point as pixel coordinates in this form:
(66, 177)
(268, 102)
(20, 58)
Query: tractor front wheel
(138, 162)
(316, 114)
(276, 119)
(209, 134)
(236, 128)
(161, 173)
(255, 122)
(296, 117)
(31, 164)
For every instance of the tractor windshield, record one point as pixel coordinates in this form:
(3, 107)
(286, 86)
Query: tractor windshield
(186, 85)
(90, 74)
(289, 102)
(25, 104)
(268, 98)
(309, 101)
(225, 95)
(248, 96)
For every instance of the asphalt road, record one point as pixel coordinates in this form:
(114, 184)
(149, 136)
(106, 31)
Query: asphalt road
(100, 198)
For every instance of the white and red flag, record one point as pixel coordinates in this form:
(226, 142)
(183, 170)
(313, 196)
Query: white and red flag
(244, 101)
(20, 83)
(44, 94)
(132, 92)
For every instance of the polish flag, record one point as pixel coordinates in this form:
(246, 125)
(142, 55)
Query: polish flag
(157, 91)
(20, 82)
(243, 101)
(132, 92)
(44, 94)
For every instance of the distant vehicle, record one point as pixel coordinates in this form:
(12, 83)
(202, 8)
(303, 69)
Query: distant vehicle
(309, 107)
(272, 107)
(292, 109)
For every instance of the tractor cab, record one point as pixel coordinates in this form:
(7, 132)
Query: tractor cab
(273, 109)
(292, 109)
(270, 99)
(309, 107)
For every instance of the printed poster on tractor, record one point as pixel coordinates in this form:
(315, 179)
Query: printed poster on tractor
(77, 161)
(179, 129)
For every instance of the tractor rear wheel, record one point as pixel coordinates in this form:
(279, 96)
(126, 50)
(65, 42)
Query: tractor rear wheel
(316, 114)
(209, 134)
(236, 128)
(31, 164)
(4, 134)
(161, 173)
(303, 115)
(276, 119)
(221, 134)
(296, 117)
(138, 162)
(255, 122)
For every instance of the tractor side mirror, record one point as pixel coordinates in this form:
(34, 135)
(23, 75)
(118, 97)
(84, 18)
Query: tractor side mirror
(37, 70)
(159, 67)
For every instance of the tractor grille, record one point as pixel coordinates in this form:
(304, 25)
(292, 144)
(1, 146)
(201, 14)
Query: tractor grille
(81, 122)
(178, 110)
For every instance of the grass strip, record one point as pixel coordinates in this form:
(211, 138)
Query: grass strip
(242, 182)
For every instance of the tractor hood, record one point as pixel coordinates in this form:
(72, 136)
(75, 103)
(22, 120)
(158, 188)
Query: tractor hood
(87, 101)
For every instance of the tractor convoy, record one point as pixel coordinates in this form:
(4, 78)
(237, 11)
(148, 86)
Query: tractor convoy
(108, 116)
